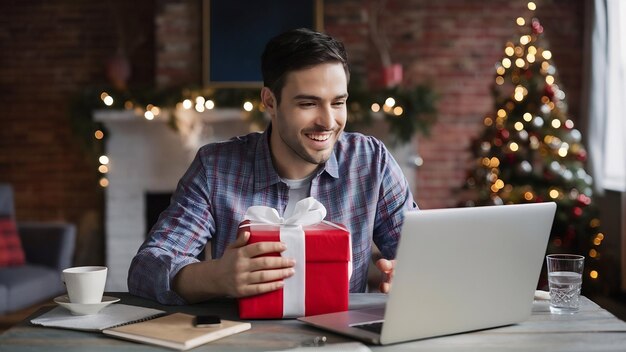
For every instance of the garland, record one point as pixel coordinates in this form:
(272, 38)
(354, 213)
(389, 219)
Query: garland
(408, 111)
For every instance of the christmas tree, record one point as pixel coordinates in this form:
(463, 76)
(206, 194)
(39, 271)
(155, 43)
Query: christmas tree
(531, 152)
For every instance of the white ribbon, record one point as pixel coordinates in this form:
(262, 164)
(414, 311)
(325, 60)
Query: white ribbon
(307, 211)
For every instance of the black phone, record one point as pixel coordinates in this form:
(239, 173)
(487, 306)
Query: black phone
(207, 321)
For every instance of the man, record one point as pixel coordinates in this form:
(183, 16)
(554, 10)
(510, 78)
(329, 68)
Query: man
(304, 152)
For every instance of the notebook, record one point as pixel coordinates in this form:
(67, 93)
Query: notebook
(142, 324)
(457, 270)
(176, 331)
(111, 316)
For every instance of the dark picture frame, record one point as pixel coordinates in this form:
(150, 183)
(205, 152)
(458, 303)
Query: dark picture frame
(235, 32)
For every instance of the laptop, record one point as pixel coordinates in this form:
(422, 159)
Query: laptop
(457, 270)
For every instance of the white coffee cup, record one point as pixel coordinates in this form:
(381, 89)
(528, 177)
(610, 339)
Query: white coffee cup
(85, 284)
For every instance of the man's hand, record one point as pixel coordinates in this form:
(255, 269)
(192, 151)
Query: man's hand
(239, 272)
(242, 274)
(386, 267)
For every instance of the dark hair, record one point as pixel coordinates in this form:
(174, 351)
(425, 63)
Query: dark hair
(295, 50)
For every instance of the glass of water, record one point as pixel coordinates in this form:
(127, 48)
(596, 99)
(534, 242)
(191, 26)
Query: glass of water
(565, 277)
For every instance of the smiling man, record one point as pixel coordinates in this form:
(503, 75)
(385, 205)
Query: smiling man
(303, 152)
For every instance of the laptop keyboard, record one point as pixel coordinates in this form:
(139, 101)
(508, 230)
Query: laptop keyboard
(376, 327)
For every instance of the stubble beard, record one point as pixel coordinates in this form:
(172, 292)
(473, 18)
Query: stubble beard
(299, 150)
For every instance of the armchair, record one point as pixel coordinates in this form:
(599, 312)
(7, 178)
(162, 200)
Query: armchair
(48, 249)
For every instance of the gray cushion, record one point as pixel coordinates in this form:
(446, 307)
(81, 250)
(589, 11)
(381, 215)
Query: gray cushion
(6, 200)
(3, 298)
(29, 284)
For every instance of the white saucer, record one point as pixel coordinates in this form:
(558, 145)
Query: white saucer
(86, 308)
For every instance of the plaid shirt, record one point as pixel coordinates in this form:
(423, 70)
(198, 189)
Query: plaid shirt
(361, 186)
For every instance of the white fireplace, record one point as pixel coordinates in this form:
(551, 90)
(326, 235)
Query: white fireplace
(149, 157)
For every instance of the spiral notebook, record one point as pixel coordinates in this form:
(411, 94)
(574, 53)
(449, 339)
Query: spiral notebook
(109, 317)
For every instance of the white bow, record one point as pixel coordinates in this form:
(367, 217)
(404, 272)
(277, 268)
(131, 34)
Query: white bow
(308, 211)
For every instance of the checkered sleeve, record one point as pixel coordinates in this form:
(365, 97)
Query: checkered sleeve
(175, 241)
(394, 199)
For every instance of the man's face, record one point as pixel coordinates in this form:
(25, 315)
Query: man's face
(309, 119)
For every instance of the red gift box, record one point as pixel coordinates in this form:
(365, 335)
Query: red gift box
(327, 270)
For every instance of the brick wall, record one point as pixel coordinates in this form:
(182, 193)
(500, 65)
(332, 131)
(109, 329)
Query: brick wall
(50, 51)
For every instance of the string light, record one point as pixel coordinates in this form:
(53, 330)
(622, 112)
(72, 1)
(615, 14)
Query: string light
(201, 104)
(525, 39)
(547, 54)
(106, 98)
(554, 194)
(155, 110)
(597, 240)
